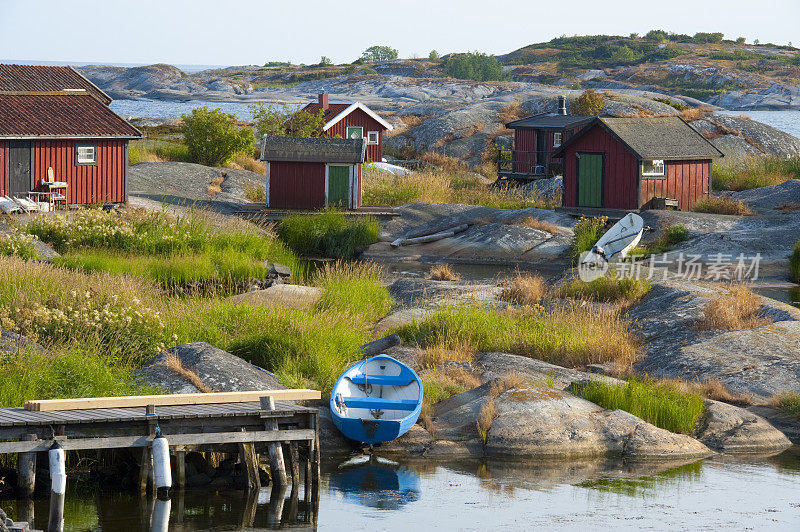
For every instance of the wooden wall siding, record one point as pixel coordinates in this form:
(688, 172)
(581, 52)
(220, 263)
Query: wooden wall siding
(360, 118)
(685, 181)
(360, 186)
(103, 182)
(524, 141)
(621, 170)
(296, 185)
(3, 156)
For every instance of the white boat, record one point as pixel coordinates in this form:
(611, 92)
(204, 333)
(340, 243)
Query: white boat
(618, 241)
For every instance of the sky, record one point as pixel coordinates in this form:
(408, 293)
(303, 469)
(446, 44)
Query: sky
(242, 32)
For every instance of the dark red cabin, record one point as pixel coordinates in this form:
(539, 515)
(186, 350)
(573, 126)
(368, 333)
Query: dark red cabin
(636, 163)
(52, 117)
(313, 173)
(352, 120)
(536, 138)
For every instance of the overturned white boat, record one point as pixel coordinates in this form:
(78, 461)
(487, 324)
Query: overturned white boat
(618, 241)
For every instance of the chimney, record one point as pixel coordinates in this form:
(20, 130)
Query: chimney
(562, 105)
(323, 100)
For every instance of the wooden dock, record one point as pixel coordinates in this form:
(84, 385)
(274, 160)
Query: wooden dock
(243, 427)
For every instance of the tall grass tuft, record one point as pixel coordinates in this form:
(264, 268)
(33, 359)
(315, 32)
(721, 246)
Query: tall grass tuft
(722, 205)
(735, 310)
(607, 289)
(524, 289)
(756, 172)
(660, 403)
(587, 232)
(794, 264)
(327, 234)
(789, 402)
(353, 287)
(568, 335)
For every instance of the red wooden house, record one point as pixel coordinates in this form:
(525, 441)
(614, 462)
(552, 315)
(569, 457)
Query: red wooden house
(52, 117)
(535, 140)
(636, 163)
(313, 173)
(352, 120)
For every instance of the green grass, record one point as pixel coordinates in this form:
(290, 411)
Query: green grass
(18, 246)
(669, 238)
(794, 264)
(661, 404)
(568, 335)
(587, 232)
(146, 150)
(789, 402)
(607, 289)
(327, 234)
(755, 172)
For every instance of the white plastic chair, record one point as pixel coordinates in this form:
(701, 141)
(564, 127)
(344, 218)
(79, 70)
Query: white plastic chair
(7, 205)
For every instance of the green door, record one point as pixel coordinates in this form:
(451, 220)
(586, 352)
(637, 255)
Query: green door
(339, 186)
(590, 180)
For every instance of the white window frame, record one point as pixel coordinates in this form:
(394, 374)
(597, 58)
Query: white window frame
(656, 172)
(557, 139)
(348, 128)
(377, 136)
(82, 158)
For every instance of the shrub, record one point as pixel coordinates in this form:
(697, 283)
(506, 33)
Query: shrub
(789, 402)
(443, 272)
(756, 172)
(433, 56)
(590, 102)
(524, 289)
(736, 310)
(670, 237)
(661, 404)
(243, 161)
(794, 264)
(722, 205)
(378, 53)
(569, 335)
(587, 232)
(607, 289)
(353, 287)
(476, 66)
(255, 193)
(327, 234)
(17, 245)
(213, 138)
(281, 120)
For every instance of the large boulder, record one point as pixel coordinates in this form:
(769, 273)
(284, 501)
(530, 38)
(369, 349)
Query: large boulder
(498, 365)
(729, 428)
(218, 370)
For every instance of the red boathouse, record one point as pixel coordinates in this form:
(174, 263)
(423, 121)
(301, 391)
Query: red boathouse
(313, 173)
(52, 117)
(352, 120)
(636, 163)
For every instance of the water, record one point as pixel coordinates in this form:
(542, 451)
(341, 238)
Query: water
(785, 293)
(788, 121)
(722, 492)
(174, 109)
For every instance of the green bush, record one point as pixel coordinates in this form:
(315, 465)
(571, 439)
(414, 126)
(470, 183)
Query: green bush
(587, 232)
(213, 138)
(662, 404)
(474, 65)
(378, 53)
(670, 237)
(16, 245)
(789, 402)
(794, 264)
(589, 103)
(327, 234)
(282, 120)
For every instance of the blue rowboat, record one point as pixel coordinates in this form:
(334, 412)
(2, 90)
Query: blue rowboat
(376, 400)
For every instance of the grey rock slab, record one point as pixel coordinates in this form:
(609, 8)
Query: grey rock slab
(766, 199)
(729, 428)
(415, 292)
(287, 296)
(497, 365)
(539, 421)
(401, 317)
(219, 370)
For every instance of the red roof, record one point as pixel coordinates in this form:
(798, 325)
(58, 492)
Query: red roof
(36, 78)
(60, 115)
(333, 109)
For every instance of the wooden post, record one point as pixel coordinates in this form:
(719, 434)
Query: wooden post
(248, 457)
(275, 507)
(307, 474)
(180, 468)
(145, 463)
(315, 465)
(26, 470)
(295, 456)
(276, 463)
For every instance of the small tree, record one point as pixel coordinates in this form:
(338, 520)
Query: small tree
(756, 41)
(379, 53)
(433, 56)
(740, 40)
(325, 61)
(589, 103)
(213, 137)
(475, 65)
(657, 35)
(274, 120)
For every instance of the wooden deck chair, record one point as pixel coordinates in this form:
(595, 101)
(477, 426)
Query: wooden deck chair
(26, 204)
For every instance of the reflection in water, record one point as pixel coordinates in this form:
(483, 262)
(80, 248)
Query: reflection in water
(375, 482)
(647, 485)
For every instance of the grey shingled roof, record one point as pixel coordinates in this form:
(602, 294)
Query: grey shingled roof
(316, 150)
(548, 121)
(666, 137)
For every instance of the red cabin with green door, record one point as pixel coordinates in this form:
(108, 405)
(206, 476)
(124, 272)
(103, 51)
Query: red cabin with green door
(636, 163)
(313, 173)
(352, 120)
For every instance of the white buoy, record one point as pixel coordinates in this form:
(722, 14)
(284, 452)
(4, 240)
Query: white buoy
(162, 474)
(160, 519)
(58, 469)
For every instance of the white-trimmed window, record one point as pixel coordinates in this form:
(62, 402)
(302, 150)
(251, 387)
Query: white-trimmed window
(355, 132)
(373, 137)
(556, 139)
(86, 154)
(653, 167)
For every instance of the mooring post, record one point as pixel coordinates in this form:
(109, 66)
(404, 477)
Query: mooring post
(248, 457)
(276, 463)
(295, 463)
(26, 470)
(180, 468)
(315, 466)
(55, 522)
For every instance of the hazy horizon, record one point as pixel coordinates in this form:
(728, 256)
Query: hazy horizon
(251, 32)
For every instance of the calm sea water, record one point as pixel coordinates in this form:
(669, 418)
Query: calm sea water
(172, 109)
(720, 493)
